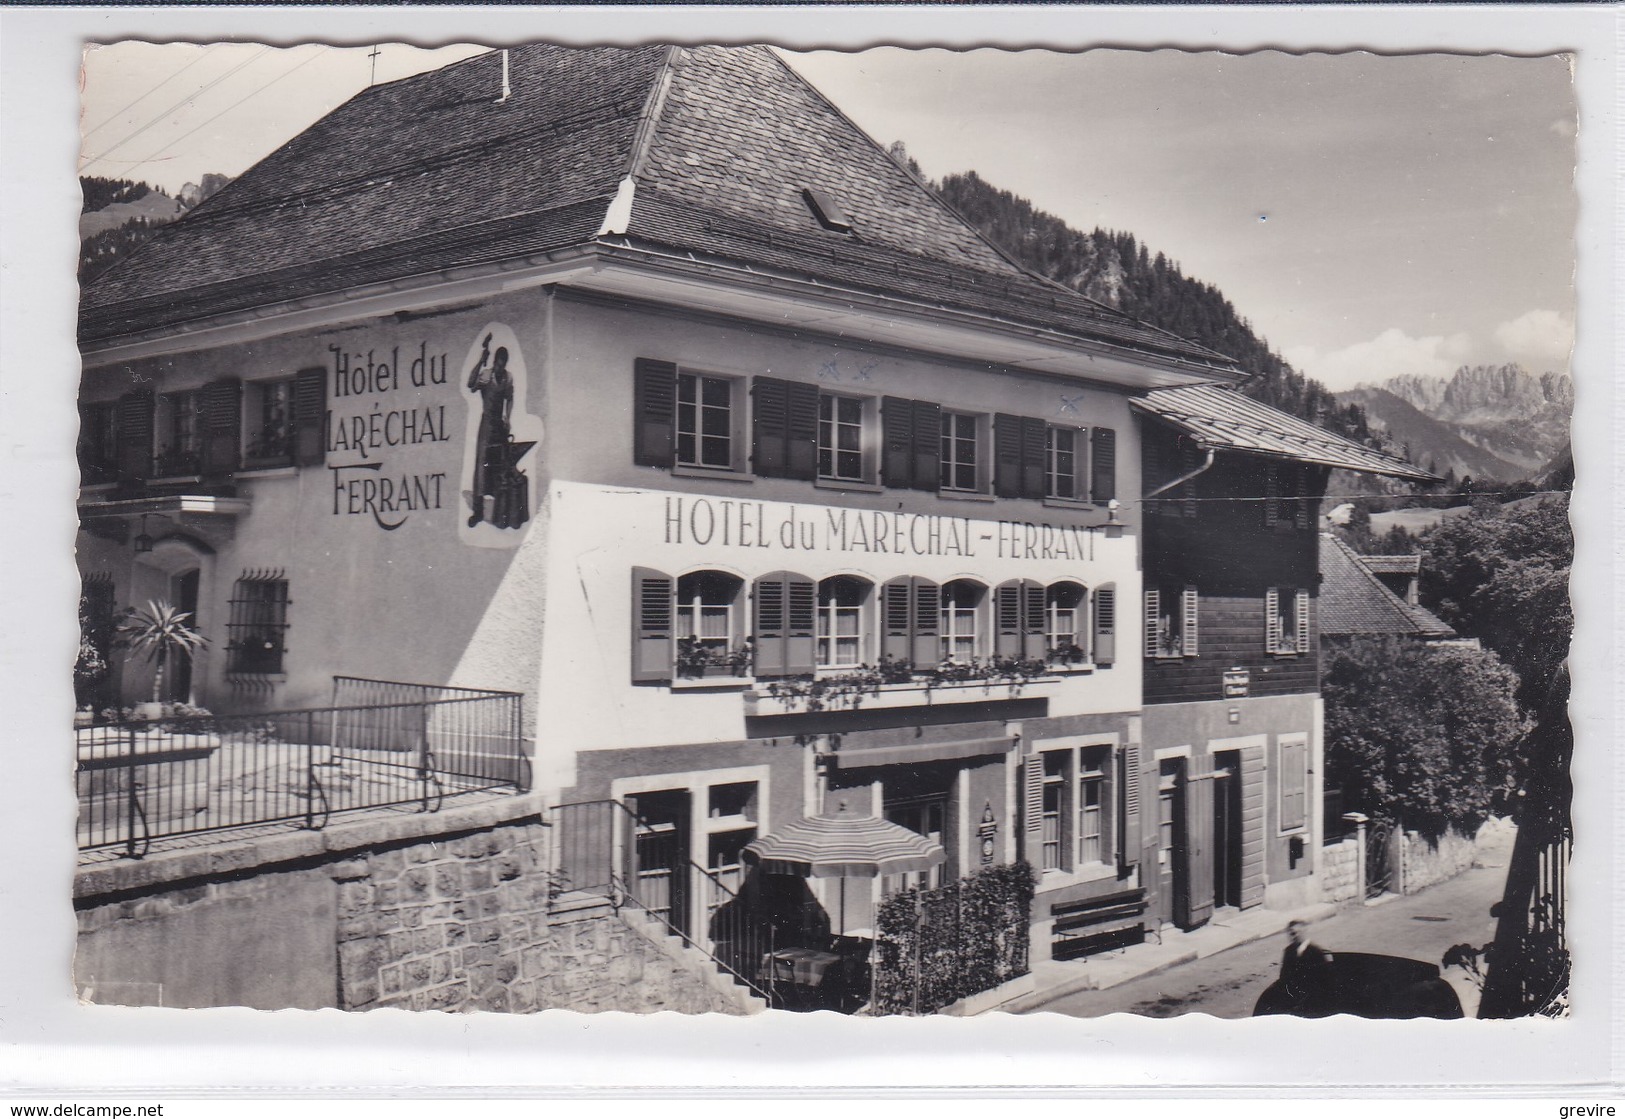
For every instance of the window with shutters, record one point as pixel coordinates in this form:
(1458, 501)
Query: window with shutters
(268, 423)
(927, 816)
(1294, 782)
(1286, 620)
(1171, 618)
(705, 422)
(258, 629)
(960, 460)
(844, 442)
(179, 431)
(98, 443)
(961, 624)
(1071, 791)
(1066, 635)
(842, 604)
(707, 625)
(1064, 470)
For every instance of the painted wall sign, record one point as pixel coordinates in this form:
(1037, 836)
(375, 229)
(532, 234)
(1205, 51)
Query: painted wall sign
(730, 523)
(988, 832)
(1236, 683)
(378, 407)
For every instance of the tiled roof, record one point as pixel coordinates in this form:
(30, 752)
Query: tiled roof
(1353, 600)
(1393, 565)
(1223, 419)
(436, 172)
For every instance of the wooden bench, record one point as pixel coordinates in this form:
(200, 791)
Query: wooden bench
(1098, 924)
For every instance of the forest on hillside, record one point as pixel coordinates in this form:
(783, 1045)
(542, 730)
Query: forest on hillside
(1114, 268)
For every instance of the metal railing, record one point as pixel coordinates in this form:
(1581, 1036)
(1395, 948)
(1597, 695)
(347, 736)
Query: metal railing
(604, 848)
(141, 780)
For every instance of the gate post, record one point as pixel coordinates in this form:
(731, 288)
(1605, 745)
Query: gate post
(1359, 820)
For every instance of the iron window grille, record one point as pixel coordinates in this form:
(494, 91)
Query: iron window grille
(259, 624)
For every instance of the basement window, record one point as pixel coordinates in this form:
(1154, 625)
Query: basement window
(826, 210)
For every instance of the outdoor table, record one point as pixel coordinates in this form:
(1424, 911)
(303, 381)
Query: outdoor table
(805, 967)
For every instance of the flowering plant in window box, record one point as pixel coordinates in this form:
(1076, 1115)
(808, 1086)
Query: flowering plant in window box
(849, 689)
(696, 660)
(1066, 656)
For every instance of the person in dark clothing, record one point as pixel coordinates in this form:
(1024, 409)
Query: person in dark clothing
(1306, 972)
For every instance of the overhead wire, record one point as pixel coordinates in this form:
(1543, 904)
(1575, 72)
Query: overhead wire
(164, 115)
(116, 114)
(252, 93)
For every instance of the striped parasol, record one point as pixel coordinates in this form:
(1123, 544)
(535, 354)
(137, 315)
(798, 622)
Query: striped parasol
(844, 845)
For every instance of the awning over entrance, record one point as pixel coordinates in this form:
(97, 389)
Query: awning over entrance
(844, 845)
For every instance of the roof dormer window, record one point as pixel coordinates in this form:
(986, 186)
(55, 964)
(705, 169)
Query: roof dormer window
(826, 210)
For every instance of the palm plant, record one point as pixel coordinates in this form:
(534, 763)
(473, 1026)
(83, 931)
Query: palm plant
(160, 631)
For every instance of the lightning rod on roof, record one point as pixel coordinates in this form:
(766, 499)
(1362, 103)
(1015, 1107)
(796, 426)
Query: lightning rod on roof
(507, 90)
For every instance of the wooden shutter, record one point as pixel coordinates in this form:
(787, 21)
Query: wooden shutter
(801, 431)
(1007, 456)
(770, 427)
(1103, 465)
(769, 625)
(1300, 507)
(1294, 779)
(1198, 825)
(927, 622)
(1189, 617)
(897, 619)
(1032, 810)
(1153, 622)
(800, 625)
(1252, 826)
(1300, 616)
(927, 445)
(310, 416)
(1272, 495)
(897, 442)
(1032, 620)
(222, 424)
(1272, 621)
(654, 412)
(135, 424)
(1128, 832)
(1105, 624)
(1034, 457)
(1007, 619)
(652, 625)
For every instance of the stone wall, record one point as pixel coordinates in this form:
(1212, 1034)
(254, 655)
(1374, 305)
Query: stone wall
(1426, 863)
(442, 911)
(1340, 871)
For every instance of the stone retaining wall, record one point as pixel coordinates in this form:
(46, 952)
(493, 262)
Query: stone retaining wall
(1424, 863)
(446, 911)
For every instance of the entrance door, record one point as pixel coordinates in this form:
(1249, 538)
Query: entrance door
(1226, 830)
(928, 817)
(660, 856)
(1173, 883)
(178, 671)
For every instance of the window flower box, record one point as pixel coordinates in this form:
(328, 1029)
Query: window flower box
(893, 686)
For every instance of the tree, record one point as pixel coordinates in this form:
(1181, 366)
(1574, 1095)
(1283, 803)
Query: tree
(1421, 735)
(160, 631)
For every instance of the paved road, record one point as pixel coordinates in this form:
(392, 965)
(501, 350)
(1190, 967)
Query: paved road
(1226, 985)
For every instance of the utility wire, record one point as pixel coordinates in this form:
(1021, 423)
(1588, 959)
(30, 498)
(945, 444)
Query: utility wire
(190, 96)
(1348, 496)
(120, 112)
(252, 93)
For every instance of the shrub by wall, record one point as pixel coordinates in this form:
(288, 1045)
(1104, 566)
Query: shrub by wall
(935, 947)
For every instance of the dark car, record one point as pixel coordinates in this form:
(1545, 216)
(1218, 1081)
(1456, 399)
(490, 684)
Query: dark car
(1369, 986)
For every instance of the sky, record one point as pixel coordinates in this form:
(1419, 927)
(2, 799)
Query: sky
(1370, 215)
